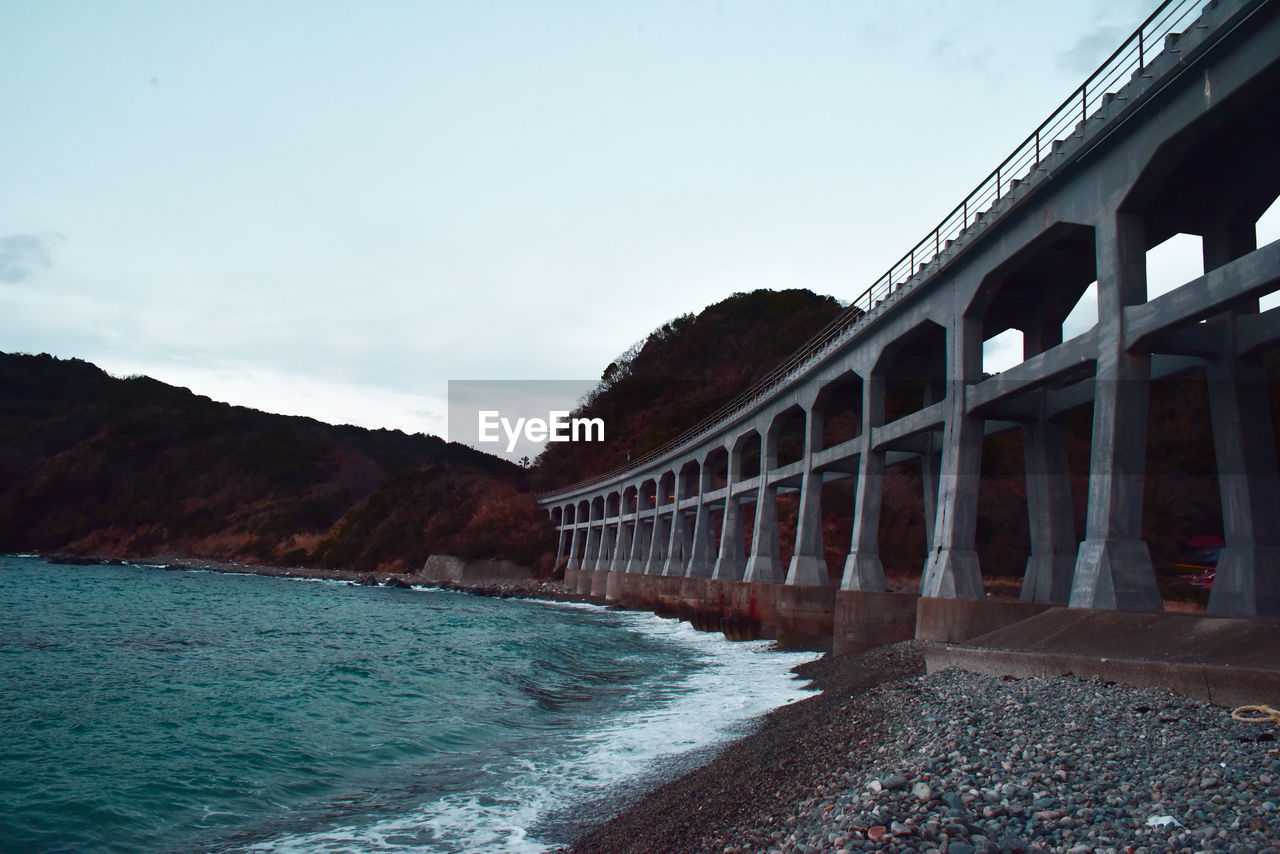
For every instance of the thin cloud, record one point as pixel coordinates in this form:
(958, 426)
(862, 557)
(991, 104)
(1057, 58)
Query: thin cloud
(1091, 49)
(23, 254)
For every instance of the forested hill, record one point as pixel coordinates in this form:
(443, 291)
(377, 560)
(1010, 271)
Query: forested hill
(133, 467)
(684, 371)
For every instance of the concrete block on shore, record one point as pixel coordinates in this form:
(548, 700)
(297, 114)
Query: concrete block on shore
(473, 572)
(958, 620)
(1221, 660)
(865, 619)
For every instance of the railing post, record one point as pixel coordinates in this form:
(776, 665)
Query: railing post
(1142, 63)
(1084, 103)
(1037, 147)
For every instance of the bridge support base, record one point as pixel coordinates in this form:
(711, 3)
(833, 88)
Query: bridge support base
(953, 573)
(807, 570)
(613, 587)
(1115, 574)
(863, 572)
(599, 583)
(1247, 582)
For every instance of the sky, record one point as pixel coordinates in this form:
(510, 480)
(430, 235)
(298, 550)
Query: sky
(334, 209)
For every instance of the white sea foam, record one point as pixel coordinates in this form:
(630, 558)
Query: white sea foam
(738, 682)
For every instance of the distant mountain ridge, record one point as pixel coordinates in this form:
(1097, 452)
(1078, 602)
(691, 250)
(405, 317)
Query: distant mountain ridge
(131, 467)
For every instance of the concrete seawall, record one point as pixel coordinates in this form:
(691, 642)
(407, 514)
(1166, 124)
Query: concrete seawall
(473, 572)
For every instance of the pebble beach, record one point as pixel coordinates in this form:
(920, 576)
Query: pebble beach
(890, 759)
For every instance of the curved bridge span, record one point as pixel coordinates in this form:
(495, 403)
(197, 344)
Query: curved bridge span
(1177, 133)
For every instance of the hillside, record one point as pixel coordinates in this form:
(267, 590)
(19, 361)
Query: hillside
(683, 371)
(133, 467)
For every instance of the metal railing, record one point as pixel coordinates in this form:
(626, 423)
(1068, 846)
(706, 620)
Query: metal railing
(1160, 30)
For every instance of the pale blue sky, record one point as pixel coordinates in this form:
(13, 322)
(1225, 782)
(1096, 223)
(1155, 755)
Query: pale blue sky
(332, 209)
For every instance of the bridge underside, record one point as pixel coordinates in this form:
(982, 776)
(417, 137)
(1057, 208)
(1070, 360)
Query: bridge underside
(1187, 146)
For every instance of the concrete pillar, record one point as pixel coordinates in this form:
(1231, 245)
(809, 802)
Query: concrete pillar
(1049, 514)
(729, 562)
(561, 547)
(764, 564)
(930, 466)
(808, 566)
(577, 548)
(1113, 567)
(1247, 580)
(592, 555)
(657, 545)
(677, 551)
(621, 547)
(640, 539)
(702, 556)
(608, 543)
(862, 568)
(952, 571)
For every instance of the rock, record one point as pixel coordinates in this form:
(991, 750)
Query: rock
(877, 833)
(894, 782)
(922, 792)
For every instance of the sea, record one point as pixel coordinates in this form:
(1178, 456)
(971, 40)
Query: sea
(145, 709)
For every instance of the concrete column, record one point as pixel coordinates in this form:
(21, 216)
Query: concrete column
(729, 562)
(862, 568)
(1248, 574)
(640, 539)
(1113, 566)
(657, 545)
(608, 540)
(930, 466)
(590, 557)
(702, 556)
(764, 565)
(621, 547)
(808, 567)
(1049, 514)
(676, 541)
(561, 536)
(577, 548)
(1247, 580)
(952, 571)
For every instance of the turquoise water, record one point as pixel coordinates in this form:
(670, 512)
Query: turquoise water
(143, 709)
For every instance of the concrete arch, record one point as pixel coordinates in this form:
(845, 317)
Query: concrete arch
(913, 371)
(839, 404)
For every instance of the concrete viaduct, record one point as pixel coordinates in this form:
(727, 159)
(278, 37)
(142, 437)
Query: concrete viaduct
(1177, 133)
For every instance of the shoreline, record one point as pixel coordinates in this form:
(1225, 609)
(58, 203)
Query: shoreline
(887, 758)
(890, 759)
(531, 588)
